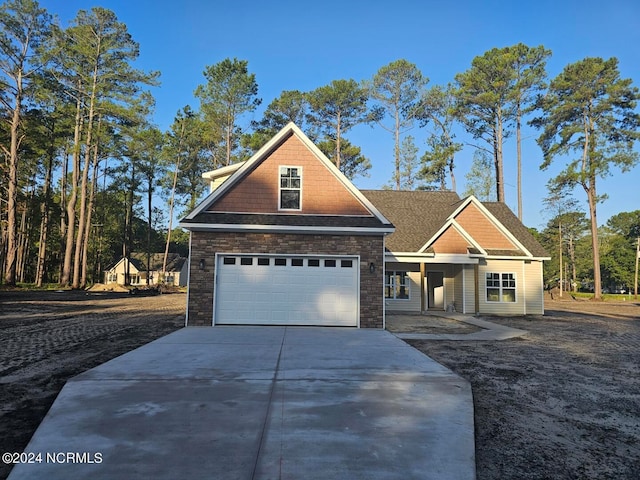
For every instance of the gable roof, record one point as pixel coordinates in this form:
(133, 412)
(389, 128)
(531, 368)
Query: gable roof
(507, 218)
(205, 216)
(417, 215)
(421, 217)
(138, 260)
(174, 261)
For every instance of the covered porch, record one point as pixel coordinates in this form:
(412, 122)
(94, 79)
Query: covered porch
(424, 284)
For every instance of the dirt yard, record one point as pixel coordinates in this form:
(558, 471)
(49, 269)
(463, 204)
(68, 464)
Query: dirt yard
(48, 337)
(561, 403)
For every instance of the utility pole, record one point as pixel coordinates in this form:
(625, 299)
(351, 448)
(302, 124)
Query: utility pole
(635, 290)
(561, 279)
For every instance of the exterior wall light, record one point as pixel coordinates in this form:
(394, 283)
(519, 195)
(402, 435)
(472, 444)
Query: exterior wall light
(372, 267)
(202, 264)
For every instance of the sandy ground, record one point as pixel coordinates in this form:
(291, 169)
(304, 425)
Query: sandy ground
(561, 403)
(48, 337)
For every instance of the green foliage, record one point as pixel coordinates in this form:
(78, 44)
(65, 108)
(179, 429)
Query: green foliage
(589, 110)
(626, 224)
(439, 110)
(353, 163)
(336, 108)
(589, 119)
(484, 104)
(186, 151)
(397, 89)
(290, 106)
(230, 91)
(479, 181)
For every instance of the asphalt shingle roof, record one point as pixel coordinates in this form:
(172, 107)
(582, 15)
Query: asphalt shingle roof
(417, 215)
(231, 219)
(505, 216)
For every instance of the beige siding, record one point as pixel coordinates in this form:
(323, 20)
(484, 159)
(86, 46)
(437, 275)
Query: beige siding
(463, 289)
(534, 288)
(216, 182)
(449, 286)
(413, 303)
(502, 308)
(469, 290)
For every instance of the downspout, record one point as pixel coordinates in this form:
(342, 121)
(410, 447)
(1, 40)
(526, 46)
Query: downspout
(384, 276)
(477, 289)
(464, 293)
(423, 300)
(524, 288)
(186, 317)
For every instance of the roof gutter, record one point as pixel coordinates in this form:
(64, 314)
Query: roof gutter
(216, 227)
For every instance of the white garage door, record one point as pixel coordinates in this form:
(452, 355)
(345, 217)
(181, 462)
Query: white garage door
(286, 290)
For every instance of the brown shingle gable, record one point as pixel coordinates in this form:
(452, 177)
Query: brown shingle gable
(505, 216)
(417, 215)
(258, 192)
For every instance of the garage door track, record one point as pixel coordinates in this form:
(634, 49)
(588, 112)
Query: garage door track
(263, 403)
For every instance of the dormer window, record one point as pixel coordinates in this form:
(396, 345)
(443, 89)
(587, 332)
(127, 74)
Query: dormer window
(290, 188)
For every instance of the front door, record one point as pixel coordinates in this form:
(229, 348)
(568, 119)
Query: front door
(435, 290)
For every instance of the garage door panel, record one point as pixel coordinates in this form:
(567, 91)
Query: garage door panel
(298, 293)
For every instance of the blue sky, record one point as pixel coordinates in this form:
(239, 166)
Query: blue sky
(304, 45)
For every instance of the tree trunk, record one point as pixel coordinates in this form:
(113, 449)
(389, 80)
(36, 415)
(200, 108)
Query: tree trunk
(589, 186)
(12, 190)
(338, 160)
(572, 257)
(71, 204)
(171, 201)
(397, 149)
(82, 219)
(498, 160)
(519, 160)
(63, 211)
(92, 190)
(149, 224)
(125, 243)
(597, 282)
(23, 243)
(560, 261)
(44, 210)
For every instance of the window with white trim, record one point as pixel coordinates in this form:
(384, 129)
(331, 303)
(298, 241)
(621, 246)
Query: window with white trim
(290, 188)
(501, 287)
(397, 285)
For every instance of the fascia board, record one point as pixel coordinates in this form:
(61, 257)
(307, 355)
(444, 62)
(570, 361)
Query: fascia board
(240, 172)
(221, 172)
(451, 222)
(507, 257)
(289, 129)
(338, 174)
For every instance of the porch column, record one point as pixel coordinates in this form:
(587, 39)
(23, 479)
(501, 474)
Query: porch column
(423, 300)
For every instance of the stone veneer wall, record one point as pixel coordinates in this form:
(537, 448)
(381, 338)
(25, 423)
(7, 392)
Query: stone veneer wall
(204, 245)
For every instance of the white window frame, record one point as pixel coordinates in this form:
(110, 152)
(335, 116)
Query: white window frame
(281, 188)
(502, 278)
(392, 276)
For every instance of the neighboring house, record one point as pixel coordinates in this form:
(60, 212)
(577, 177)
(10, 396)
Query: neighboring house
(286, 239)
(177, 272)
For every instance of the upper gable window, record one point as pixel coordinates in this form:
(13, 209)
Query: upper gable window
(290, 188)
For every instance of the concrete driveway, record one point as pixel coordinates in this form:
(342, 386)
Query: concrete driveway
(263, 403)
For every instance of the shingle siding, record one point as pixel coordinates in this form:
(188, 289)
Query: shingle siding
(322, 192)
